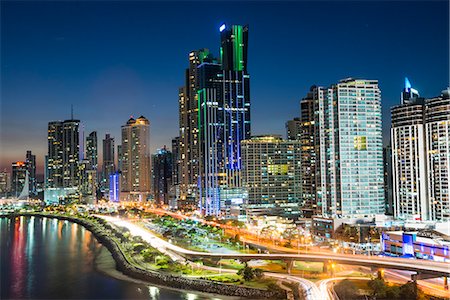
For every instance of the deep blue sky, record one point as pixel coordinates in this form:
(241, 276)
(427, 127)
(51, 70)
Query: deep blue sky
(114, 59)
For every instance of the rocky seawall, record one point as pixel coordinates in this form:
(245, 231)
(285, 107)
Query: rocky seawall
(160, 278)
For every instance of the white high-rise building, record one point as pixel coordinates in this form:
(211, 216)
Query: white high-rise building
(408, 157)
(136, 171)
(437, 120)
(350, 155)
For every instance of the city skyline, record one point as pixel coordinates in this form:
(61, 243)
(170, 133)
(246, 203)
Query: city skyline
(149, 84)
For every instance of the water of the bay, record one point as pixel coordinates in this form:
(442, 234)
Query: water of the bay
(44, 258)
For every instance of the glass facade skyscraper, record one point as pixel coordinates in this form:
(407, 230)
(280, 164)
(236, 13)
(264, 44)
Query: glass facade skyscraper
(348, 124)
(214, 119)
(271, 174)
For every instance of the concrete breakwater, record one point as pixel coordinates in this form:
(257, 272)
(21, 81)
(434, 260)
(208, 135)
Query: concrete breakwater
(159, 278)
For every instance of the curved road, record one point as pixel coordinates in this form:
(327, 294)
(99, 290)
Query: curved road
(178, 253)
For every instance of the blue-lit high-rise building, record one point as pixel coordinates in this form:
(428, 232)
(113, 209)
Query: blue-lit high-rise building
(223, 120)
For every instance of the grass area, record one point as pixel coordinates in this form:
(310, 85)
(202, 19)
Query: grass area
(308, 266)
(263, 283)
(231, 264)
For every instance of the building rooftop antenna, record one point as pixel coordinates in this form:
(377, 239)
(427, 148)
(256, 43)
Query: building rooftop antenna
(71, 111)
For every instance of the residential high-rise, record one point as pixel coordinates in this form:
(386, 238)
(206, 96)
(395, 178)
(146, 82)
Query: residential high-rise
(5, 183)
(162, 175)
(108, 160)
(175, 198)
(92, 149)
(119, 157)
(293, 129)
(307, 134)
(408, 156)
(88, 181)
(31, 164)
(437, 122)
(136, 159)
(70, 152)
(271, 174)
(388, 181)
(350, 152)
(18, 178)
(54, 178)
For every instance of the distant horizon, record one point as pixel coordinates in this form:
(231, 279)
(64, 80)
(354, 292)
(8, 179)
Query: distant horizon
(119, 62)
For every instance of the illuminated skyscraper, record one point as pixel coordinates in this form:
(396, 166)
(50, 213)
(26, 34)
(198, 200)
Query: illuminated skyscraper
(71, 152)
(92, 149)
(54, 177)
(18, 178)
(293, 129)
(272, 176)
(189, 127)
(308, 136)
(162, 175)
(214, 108)
(388, 181)
(437, 120)
(5, 183)
(31, 164)
(136, 159)
(408, 156)
(350, 153)
(108, 160)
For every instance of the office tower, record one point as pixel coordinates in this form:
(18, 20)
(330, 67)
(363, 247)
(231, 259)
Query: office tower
(235, 96)
(88, 181)
(162, 175)
(5, 183)
(437, 120)
(54, 178)
(175, 199)
(136, 159)
(18, 179)
(71, 152)
(176, 160)
(307, 134)
(224, 99)
(350, 153)
(119, 157)
(388, 181)
(212, 171)
(92, 150)
(408, 156)
(271, 174)
(293, 129)
(31, 164)
(188, 121)
(108, 159)
(214, 107)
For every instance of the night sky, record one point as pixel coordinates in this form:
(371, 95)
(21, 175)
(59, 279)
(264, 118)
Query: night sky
(114, 59)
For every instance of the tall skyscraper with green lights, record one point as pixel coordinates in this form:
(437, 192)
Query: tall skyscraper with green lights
(214, 107)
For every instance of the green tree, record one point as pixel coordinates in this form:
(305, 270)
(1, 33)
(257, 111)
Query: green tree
(258, 273)
(246, 273)
(346, 290)
(378, 287)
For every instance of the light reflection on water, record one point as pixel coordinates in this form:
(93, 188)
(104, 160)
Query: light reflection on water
(43, 258)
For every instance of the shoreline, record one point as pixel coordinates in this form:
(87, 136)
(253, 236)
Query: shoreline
(161, 279)
(107, 267)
